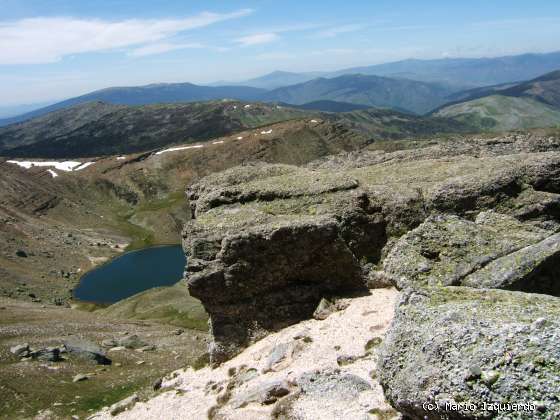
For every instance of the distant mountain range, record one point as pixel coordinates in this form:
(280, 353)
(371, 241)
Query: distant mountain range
(460, 73)
(101, 128)
(464, 72)
(372, 91)
(399, 94)
(275, 80)
(416, 86)
(146, 95)
(530, 104)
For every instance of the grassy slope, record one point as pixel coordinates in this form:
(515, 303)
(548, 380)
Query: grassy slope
(386, 124)
(502, 113)
(169, 305)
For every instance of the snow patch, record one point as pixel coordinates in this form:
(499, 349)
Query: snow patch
(121, 158)
(247, 106)
(66, 166)
(176, 149)
(83, 166)
(239, 138)
(314, 121)
(218, 142)
(266, 132)
(53, 173)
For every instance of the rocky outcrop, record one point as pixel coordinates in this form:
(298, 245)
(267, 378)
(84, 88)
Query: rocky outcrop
(456, 352)
(268, 242)
(448, 225)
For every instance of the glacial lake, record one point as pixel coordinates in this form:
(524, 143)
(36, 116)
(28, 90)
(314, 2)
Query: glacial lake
(132, 273)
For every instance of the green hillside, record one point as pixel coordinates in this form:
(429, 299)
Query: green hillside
(98, 129)
(373, 91)
(503, 113)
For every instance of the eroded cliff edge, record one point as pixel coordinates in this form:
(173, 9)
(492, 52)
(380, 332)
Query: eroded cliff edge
(268, 242)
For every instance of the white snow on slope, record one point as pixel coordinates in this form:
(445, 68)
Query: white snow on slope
(66, 166)
(176, 149)
(239, 138)
(218, 142)
(83, 166)
(121, 157)
(266, 132)
(53, 173)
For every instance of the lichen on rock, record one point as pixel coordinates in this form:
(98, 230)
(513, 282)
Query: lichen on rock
(469, 350)
(268, 242)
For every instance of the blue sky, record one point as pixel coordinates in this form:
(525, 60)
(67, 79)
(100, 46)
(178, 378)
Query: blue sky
(53, 49)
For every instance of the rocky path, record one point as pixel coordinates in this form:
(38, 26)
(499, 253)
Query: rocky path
(314, 369)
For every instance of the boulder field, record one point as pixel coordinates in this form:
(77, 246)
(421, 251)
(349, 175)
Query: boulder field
(467, 232)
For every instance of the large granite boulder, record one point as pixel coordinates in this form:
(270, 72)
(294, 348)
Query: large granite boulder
(458, 353)
(86, 350)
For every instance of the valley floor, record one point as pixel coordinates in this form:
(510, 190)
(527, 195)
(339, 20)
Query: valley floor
(31, 387)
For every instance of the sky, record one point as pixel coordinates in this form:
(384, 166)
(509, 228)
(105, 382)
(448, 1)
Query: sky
(55, 49)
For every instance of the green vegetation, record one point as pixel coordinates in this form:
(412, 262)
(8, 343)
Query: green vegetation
(171, 200)
(386, 124)
(503, 113)
(140, 237)
(169, 305)
(531, 104)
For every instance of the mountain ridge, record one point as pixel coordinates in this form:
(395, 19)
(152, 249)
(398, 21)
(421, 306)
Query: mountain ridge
(100, 129)
(375, 91)
(456, 74)
(146, 95)
(530, 104)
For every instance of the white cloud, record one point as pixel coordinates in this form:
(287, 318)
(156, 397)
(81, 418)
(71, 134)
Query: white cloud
(272, 56)
(160, 48)
(336, 51)
(47, 40)
(337, 30)
(257, 39)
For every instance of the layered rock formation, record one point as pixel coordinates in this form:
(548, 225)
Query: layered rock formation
(267, 242)
(447, 224)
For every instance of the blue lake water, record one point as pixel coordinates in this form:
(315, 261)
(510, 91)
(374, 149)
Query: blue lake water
(132, 273)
